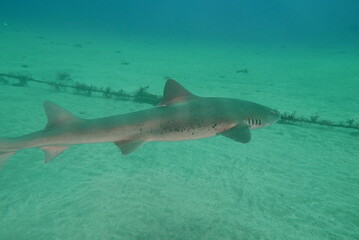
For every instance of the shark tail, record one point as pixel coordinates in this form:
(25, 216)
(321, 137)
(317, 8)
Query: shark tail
(56, 116)
(5, 154)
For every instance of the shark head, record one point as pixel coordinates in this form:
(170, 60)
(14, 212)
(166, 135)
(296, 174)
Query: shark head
(247, 113)
(259, 116)
(272, 116)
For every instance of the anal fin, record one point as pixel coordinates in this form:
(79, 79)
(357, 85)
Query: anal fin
(52, 152)
(128, 147)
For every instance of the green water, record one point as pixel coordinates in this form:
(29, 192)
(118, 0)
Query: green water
(292, 181)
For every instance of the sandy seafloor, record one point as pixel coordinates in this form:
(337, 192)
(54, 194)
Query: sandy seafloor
(290, 182)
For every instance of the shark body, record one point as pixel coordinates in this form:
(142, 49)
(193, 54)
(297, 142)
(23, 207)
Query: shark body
(180, 116)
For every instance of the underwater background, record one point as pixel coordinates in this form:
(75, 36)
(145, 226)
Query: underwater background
(297, 179)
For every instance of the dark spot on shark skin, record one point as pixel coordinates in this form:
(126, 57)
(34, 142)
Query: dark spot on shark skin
(192, 133)
(140, 129)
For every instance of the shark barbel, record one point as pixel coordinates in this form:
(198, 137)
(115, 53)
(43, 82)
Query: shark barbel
(180, 116)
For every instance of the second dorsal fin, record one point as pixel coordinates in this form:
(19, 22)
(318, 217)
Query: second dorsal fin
(175, 93)
(57, 115)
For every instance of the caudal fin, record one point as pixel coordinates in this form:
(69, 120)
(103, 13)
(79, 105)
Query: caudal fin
(5, 152)
(4, 157)
(56, 116)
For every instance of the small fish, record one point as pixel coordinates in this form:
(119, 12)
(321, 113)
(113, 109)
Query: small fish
(180, 116)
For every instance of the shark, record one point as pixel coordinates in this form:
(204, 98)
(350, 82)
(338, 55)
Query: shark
(180, 116)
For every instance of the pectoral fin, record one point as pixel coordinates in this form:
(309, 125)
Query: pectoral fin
(128, 147)
(238, 134)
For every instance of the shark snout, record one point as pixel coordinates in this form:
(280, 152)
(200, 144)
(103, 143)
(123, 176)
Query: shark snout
(274, 116)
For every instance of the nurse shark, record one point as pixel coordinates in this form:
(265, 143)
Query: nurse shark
(180, 116)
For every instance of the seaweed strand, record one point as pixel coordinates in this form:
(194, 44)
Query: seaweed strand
(143, 96)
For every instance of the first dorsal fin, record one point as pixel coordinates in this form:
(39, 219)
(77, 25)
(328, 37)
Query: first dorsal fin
(57, 115)
(175, 93)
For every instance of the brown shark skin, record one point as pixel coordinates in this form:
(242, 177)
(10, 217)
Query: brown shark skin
(201, 118)
(182, 117)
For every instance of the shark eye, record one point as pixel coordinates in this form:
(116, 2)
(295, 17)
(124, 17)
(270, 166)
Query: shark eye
(274, 111)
